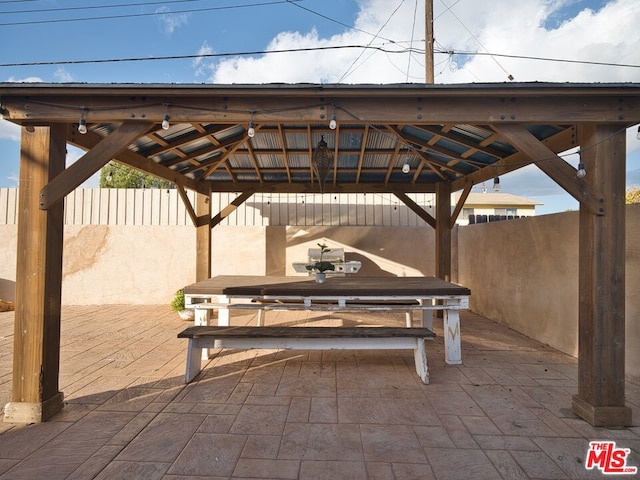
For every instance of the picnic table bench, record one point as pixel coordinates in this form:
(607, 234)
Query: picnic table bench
(305, 338)
(227, 293)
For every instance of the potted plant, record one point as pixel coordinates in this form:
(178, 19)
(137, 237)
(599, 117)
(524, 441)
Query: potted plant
(321, 266)
(177, 305)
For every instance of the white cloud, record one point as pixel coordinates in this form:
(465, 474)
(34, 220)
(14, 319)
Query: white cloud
(203, 65)
(14, 179)
(608, 35)
(24, 80)
(169, 22)
(62, 75)
(9, 130)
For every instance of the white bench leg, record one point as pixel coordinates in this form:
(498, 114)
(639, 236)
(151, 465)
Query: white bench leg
(202, 317)
(452, 348)
(194, 360)
(420, 356)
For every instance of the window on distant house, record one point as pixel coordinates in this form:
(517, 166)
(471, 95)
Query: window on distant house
(512, 211)
(466, 212)
(500, 211)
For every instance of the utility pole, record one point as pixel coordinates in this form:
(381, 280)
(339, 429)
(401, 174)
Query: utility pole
(428, 8)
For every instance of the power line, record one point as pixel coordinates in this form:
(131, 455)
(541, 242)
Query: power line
(380, 47)
(509, 76)
(350, 69)
(543, 59)
(351, 27)
(95, 7)
(201, 55)
(149, 14)
(413, 30)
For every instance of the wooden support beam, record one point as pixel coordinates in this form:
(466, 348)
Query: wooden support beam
(203, 237)
(463, 198)
(601, 310)
(554, 166)
(188, 206)
(415, 208)
(444, 104)
(443, 231)
(561, 141)
(136, 161)
(226, 211)
(35, 393)
(91, 162)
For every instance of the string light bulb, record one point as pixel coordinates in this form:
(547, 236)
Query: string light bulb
(333, 124)
(165, 122)
(581, 173)
(496, 184)
(638, 134)
(406, 167)
(82, 124)
(252, 129)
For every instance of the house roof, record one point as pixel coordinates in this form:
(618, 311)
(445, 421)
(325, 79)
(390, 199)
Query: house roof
(491, 198)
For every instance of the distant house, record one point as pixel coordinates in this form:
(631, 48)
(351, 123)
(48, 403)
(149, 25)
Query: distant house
(481, 207)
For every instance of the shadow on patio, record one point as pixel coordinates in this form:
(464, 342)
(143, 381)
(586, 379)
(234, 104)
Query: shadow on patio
(504, 413)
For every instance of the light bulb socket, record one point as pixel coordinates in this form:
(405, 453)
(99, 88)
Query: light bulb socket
(496, 184)
(638, 134)
(82, 126)
(581, 173)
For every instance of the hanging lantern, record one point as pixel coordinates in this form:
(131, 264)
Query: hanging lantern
(322, 162)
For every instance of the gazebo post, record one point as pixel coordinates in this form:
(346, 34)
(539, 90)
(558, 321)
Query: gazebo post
(203, 236)
(36, 358)
(601, 337)
(203, 252)
(443, 231)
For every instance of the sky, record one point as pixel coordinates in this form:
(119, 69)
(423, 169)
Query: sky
(355, 41)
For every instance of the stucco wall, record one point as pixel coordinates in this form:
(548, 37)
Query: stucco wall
(126, 264)
(524, 274)
(136, 264)
(397, 251)
(8, 250)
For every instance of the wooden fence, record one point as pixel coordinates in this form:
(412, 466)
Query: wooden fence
(106, 206)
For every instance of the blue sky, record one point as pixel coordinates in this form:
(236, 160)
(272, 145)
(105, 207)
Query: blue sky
(588, 30)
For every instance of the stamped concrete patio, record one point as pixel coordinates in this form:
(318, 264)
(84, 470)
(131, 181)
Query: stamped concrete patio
(505, 413)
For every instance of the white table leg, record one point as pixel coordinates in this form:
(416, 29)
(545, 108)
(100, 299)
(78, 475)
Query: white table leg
(223, 313)
(451, 325)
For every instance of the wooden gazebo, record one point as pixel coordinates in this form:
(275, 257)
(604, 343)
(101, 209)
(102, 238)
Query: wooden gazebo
(262, 138)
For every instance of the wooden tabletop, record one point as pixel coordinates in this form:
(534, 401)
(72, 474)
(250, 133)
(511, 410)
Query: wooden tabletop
(251, 285)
